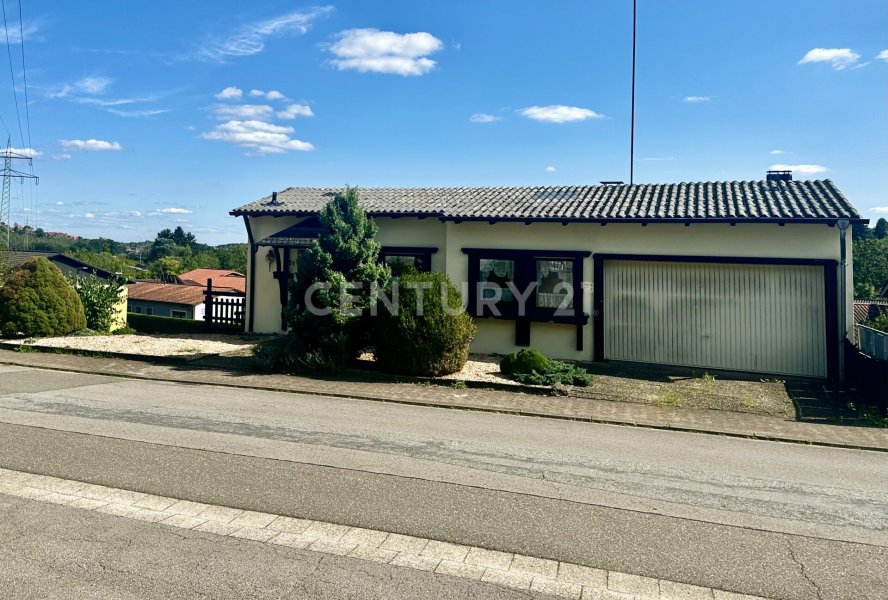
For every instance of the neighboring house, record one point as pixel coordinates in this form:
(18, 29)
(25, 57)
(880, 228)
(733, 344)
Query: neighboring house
(72, 267)
(869, 310)
(180, 301)
(230, 283)
(724, 275)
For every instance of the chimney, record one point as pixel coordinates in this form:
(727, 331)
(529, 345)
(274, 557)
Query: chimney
(274, 199)
(779, 176)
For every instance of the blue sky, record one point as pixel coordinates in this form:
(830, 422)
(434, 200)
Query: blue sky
(145, 115)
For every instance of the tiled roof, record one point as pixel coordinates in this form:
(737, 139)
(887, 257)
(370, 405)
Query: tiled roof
(171, 293)
(868, 310)
(223, 280)
(782, 201)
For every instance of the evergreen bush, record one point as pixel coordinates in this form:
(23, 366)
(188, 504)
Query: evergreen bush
(342, 269)
(433, 343)
(37, 301)
(530, 366)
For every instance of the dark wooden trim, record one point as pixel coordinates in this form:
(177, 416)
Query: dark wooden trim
(511, 253)
(831, 293)
(252, 269)
(598, 307)
(522, 332)
(739, 260)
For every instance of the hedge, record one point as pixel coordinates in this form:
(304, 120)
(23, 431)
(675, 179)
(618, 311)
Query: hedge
(155, 324)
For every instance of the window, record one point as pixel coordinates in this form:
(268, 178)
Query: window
(496, 274)
(554, 283)
(527, 286)
(415, 256)
(139, 310)
(178, 314)
(149, 310)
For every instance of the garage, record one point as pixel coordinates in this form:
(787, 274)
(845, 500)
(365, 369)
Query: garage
(750, 315)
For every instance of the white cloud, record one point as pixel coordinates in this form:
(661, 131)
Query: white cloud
(484, 118)
(258, 136)
(60, 203)
(15, 31)
(839, 58)
(89, 215)
(243, 111)
(90, 145)
(134, 213)
(250, 39)
(696, 99)
(295, 110)
(777, 152)
(175, 211)
(883, 55)
(550, 169)
(880, 210)
(375, 51)
(270, 95)
(558, 113)
(803, 169)
(93, 84)
(29, 152)
(61, 156)
(230, 93)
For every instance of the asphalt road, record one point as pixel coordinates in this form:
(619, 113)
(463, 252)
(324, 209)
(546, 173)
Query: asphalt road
(779, 520)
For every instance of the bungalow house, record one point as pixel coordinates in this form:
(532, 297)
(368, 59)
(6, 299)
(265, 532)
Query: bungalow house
(176, 300)
(750, 276)
(71, 267)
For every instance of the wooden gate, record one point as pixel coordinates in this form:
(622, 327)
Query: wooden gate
(223, 312)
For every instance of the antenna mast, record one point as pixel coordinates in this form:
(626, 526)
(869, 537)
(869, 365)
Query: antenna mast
(5, 201)
(632, 126)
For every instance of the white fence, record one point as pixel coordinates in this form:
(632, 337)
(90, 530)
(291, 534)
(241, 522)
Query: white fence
(872, 342)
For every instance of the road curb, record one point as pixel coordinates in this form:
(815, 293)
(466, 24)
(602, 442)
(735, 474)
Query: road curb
(665, 426)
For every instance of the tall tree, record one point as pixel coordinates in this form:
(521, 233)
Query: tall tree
(336, 277)
(881, 229)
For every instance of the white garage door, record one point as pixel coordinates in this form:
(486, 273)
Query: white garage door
(759, 318)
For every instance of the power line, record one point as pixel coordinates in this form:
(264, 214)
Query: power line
(12, 72)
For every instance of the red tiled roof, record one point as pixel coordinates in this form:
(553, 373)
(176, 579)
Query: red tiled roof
(868, 310)
(172, 293)
(222, 280)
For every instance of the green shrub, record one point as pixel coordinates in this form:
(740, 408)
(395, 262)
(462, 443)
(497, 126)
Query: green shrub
(880, 322)
(37, 301)
(344, 253)
(99, 297)
(286, 354)
(155, 324)
(431, 344)
(526, 360)
(127, 330)
(530, 366)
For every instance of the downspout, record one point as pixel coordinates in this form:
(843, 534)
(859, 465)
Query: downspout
(252, 268)
(843, 294)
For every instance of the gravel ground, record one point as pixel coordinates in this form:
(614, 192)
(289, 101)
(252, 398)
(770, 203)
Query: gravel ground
(152, 345)
(637, 384)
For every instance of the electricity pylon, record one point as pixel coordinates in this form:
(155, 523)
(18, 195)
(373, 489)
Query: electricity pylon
(5, 201)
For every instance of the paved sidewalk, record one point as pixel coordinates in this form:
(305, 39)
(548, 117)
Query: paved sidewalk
(601, 411)
(517, 571)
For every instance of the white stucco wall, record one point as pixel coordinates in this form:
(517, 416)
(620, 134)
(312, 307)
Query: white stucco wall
(743, 240)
